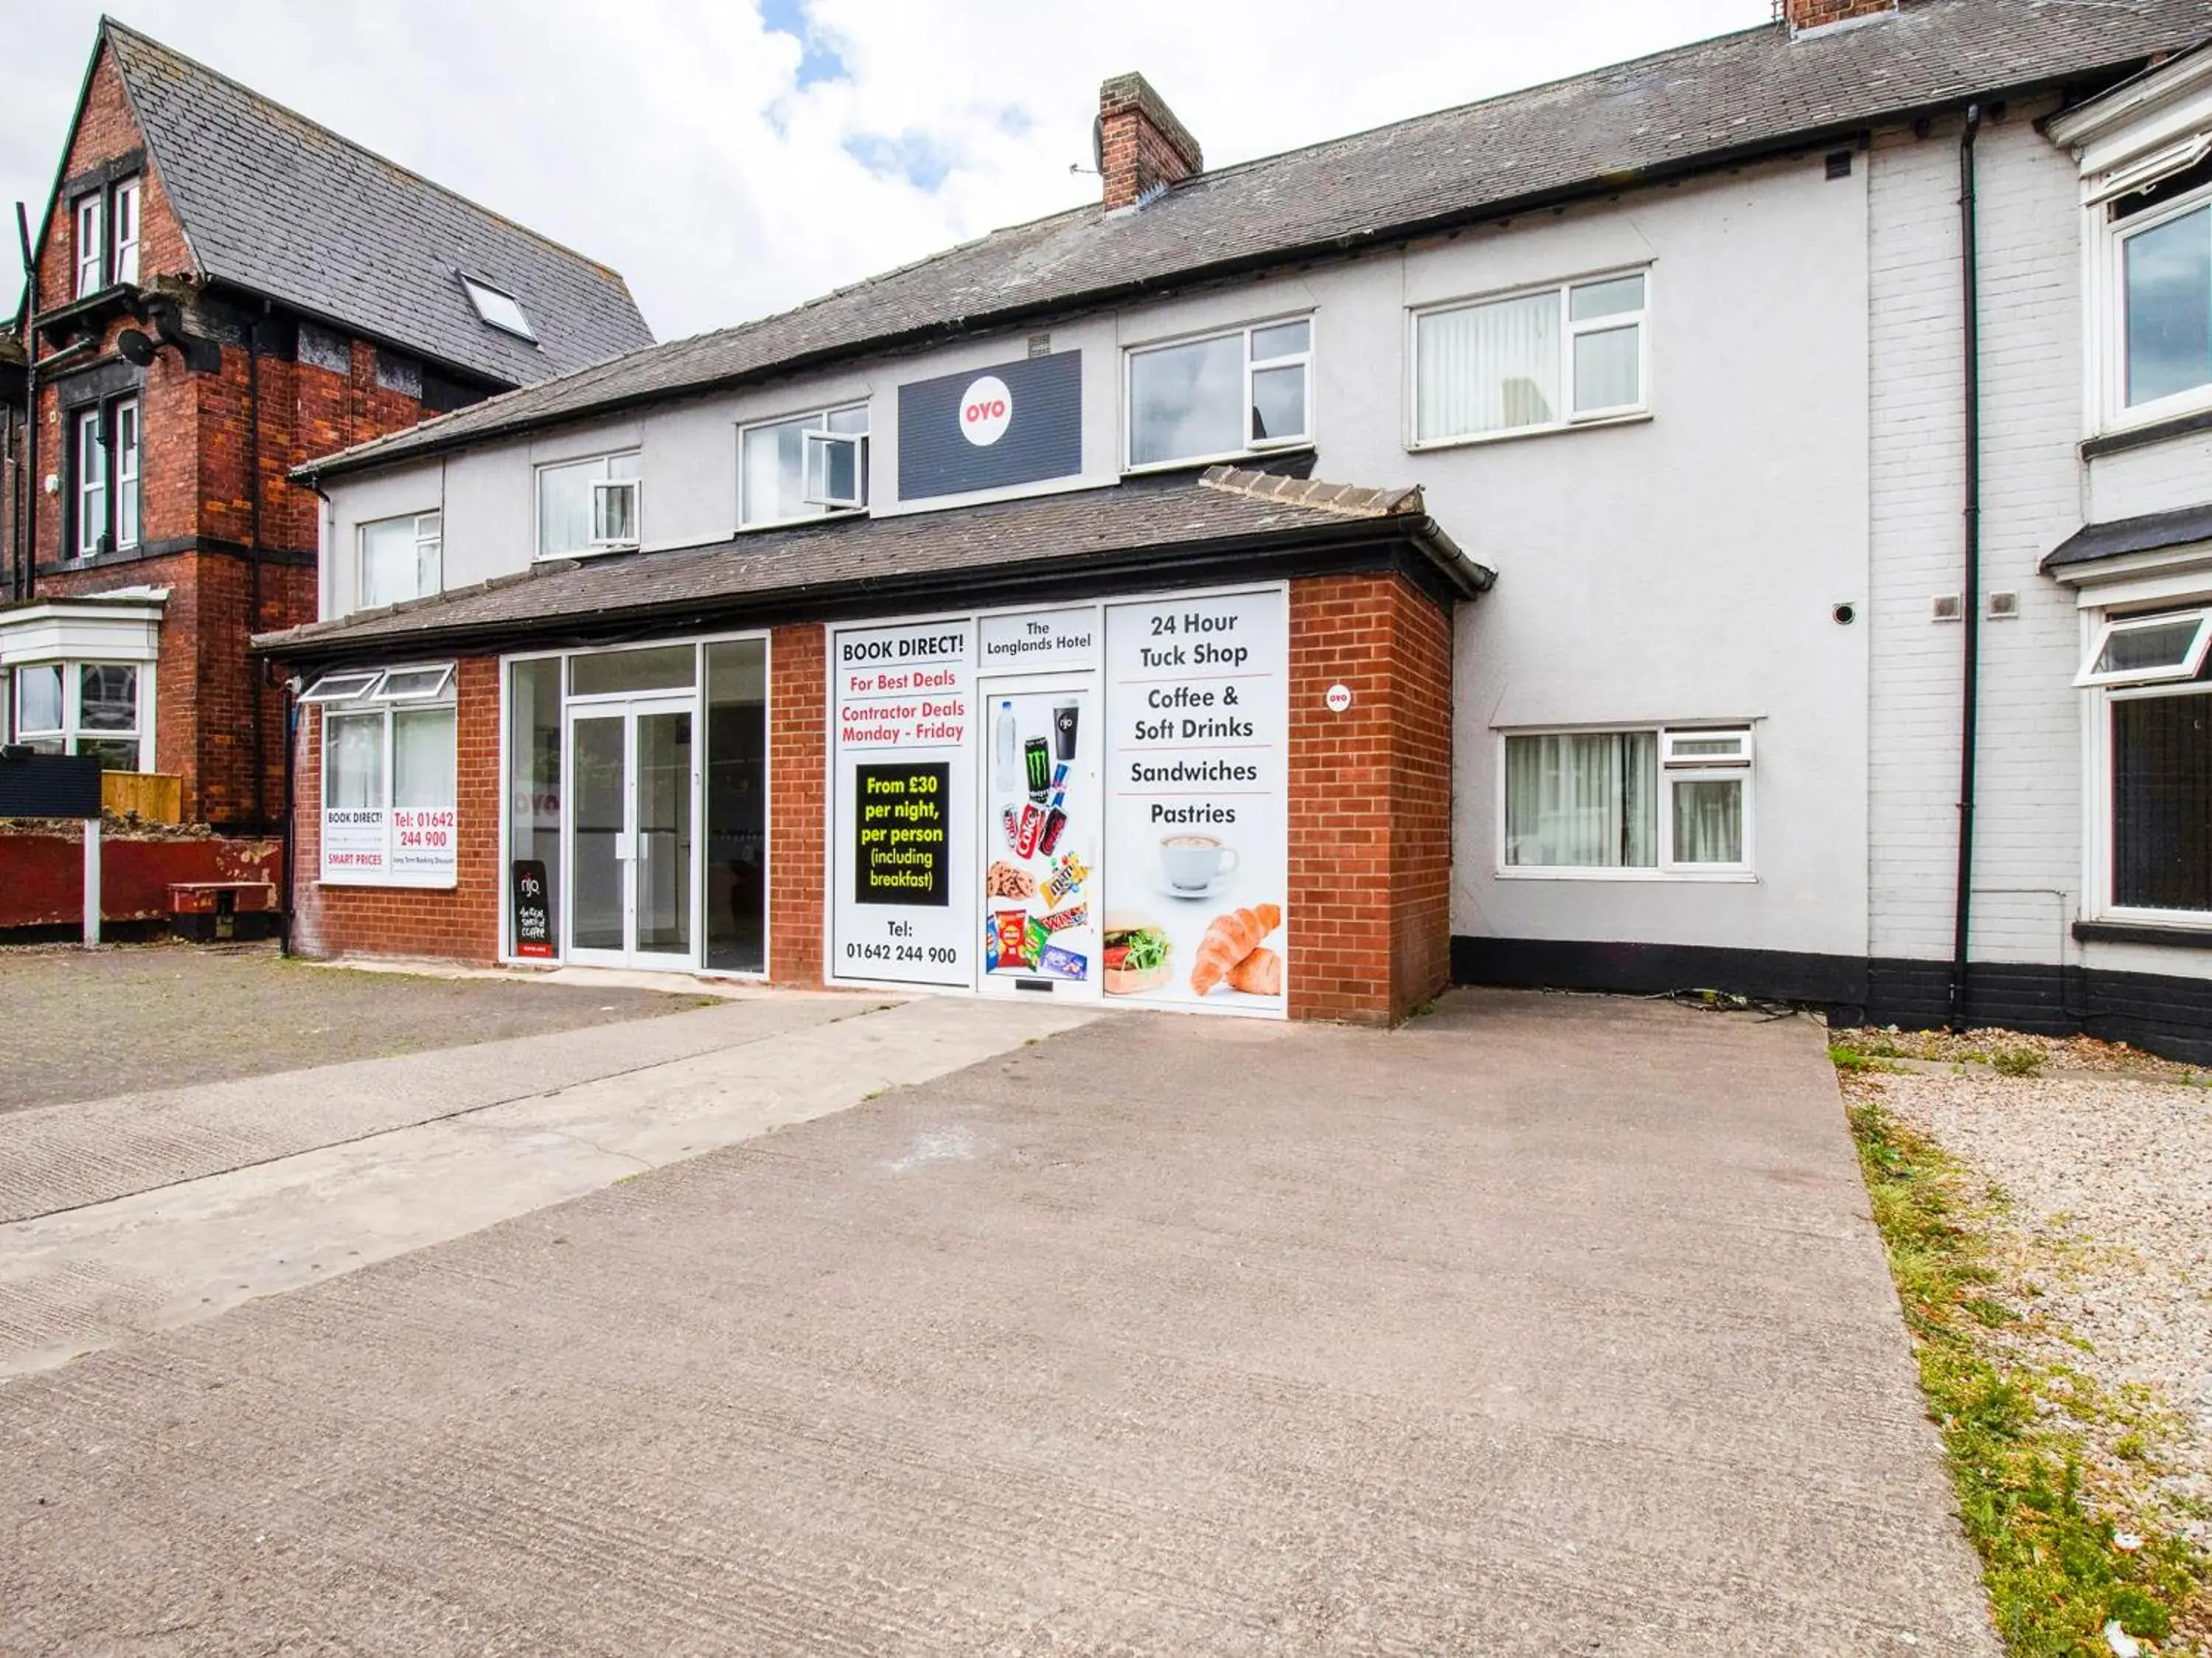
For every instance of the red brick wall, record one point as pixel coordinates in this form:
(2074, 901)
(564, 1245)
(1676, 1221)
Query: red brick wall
(1814, 14)
(459, 924)
(1369, 800)
(799, 723)
(200, 469)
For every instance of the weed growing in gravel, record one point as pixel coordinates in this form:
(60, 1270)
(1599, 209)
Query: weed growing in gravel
(2016, 1062)
(1851, 1061)
(2055, 1576)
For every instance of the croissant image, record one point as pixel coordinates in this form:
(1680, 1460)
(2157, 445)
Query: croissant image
(1259, 973)
(1231, 938)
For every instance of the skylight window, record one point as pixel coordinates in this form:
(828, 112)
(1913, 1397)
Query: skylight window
(502, 311)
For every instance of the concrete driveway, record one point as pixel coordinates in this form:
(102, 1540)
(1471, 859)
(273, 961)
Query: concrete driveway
(1548, 1326)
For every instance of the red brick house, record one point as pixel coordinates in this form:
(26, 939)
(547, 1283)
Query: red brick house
(224, 290)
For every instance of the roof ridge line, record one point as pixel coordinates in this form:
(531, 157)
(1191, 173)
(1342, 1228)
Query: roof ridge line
(110, 24)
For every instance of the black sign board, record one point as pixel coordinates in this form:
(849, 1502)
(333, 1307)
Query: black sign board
(48, 785)
(1015, 422)
(534, 909)
(902, 851)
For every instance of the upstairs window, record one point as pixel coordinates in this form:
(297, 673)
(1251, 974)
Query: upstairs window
(1209, 399)
(501, 310)
(803, 468)
(2162, 241)
(124, 220)
(1533, 362)
(91, 245)
(576, 514)
(401, 558)
(105, 460)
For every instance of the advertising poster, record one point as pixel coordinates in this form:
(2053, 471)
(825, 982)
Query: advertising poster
(1197, 821)
(353, 843)
(900, 850)
(1039, 907)
(424, 846)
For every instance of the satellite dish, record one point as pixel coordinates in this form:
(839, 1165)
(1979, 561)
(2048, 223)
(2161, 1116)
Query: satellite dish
(135, 347)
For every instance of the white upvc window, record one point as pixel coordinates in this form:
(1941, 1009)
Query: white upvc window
(803, 466)
(1651, 802)
(390, 763)
(2148, 683)
(1543, 360)
(2156, 325)
(569, 511)
(90, 216)
(1222, 396)
(91, 466)
(85, 708)
(123, 219)
(615, 511)
(401, 558)
(124, 424)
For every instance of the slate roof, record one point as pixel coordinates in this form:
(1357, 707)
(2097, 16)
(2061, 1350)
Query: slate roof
(1741, 94)
(277, 205)
(2117, 538)
(874, 558)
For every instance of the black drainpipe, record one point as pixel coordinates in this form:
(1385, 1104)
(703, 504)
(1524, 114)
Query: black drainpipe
(257, 672)
(1970, 599)
(28, 583)
(285, 888)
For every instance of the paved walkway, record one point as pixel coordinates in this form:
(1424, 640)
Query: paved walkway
(1548, 1326)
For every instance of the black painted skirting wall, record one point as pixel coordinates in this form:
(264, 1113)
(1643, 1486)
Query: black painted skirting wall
(2167, 1015)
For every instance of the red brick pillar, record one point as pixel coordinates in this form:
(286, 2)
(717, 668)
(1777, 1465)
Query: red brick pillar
(1369, 799)
(797, 713)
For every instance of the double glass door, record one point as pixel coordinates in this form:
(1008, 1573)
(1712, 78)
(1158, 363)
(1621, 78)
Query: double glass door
(633, 784)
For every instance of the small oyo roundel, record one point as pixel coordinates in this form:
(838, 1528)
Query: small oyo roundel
(985, 408)
(1339, 698)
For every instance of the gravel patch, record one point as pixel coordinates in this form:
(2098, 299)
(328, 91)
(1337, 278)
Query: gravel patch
(2109, 1236)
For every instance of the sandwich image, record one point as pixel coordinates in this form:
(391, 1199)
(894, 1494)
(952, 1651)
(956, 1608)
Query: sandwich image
(1136, 956)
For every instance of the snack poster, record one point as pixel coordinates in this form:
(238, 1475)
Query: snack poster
(903, 861)
(1039, 909)
(1197, 816)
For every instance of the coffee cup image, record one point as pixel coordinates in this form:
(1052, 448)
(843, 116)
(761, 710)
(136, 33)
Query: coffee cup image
(1191, 863)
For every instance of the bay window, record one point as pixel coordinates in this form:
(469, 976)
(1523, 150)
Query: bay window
(390, 785)
(401, 558)
(1558, 357)
(588, 506)
(2152, 675)
(84, 708)
(805, 466)
(1668, 801)
(1208, 399)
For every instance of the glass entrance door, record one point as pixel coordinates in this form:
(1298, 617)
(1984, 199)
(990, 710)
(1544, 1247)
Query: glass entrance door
(633, 795)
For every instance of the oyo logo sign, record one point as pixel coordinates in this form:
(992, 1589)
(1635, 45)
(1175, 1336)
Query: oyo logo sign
(986, 407)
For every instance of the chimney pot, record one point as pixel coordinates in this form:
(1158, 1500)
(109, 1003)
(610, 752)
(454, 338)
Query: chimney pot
(1141, 145)
(1805, 15)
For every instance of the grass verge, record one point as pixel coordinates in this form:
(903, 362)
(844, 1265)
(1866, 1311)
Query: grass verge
(2055, 1578)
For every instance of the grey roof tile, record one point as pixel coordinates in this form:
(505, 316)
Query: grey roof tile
(277, 204)
(1739, 92)
(852, 554)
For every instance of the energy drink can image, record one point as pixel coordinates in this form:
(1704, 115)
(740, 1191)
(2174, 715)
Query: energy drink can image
(1036, 755)
(1054, 822)
(1063, 731)
(1058, 797)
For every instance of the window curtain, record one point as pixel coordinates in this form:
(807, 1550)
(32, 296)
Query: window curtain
(774, 468)
(1582, 800)
(564, 506)
(1187, 400)
(352, 761)
(1709, 820)
(1488, 369)
(387, 562)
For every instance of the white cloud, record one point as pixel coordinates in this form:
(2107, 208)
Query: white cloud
(675, 141)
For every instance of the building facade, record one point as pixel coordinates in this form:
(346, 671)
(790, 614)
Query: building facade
(1670, 396)
(181, 357)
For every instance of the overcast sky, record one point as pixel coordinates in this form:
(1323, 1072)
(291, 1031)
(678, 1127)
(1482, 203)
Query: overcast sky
(733, 157)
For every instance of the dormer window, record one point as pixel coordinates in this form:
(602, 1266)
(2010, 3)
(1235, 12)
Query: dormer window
(104, 226)
(501, 309)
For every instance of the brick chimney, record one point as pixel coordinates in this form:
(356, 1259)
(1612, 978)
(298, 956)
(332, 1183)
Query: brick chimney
(1805, 15)
(1141, 145)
